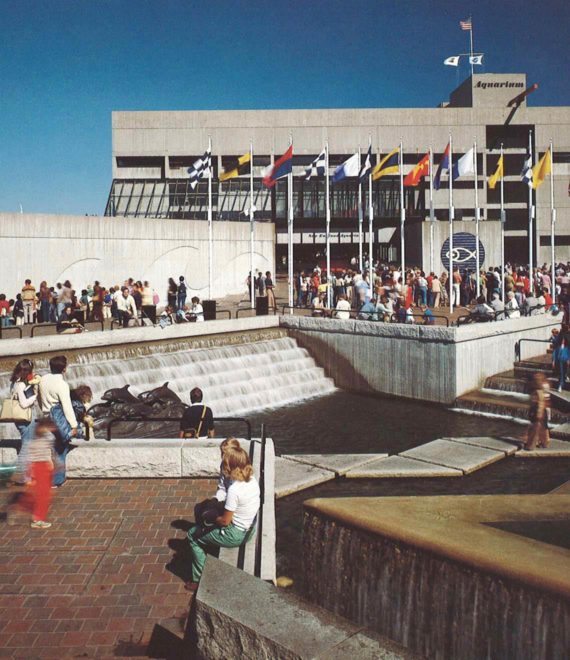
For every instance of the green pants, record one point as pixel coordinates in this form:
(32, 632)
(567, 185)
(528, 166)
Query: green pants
(220, 537)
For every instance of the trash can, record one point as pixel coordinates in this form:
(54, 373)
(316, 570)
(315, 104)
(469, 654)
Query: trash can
(79, 316)
(261, 306)
(149, 312)
(209, 307)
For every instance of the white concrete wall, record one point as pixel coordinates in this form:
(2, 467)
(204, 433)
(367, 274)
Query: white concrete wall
(87, 248)
(427, 363)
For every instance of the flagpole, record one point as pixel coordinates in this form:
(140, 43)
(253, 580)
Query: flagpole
(370, 208)
(251, 227)
(431, 212)
(530, 218)
(451, 214)
(360, 214)
(477, 215)
(210, 228)
(552, 225)
(503, 220)
(402, 215)
(290, 224)
(328, 221)
(471, 46)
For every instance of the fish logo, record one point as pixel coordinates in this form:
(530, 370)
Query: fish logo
(464, 252)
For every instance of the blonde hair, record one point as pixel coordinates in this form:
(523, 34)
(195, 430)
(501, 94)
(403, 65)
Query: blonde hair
(236, 464)
(229, 443)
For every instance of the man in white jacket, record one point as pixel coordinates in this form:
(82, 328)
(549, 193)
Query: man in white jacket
(55, 401)
(126, 307)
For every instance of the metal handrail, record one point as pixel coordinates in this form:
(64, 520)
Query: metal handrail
(520, 341)
(394, 318)
(224, 311)
(114, 422)
(10, 327)
(54, 325)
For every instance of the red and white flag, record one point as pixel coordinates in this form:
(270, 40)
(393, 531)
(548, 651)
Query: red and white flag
(466, 24)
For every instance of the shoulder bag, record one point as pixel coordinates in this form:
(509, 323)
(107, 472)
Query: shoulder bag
(12, 411)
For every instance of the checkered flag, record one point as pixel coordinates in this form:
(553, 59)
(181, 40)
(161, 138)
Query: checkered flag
(317, 167)
(201, 168)
(526, 174)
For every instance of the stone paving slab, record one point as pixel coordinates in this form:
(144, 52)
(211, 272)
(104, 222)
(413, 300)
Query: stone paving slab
(496, 444)
(557, 448)
(291, 477)
(466, 458)
(338, 463)
(401, 467)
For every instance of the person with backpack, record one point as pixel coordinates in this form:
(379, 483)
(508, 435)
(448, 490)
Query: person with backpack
(198, 419)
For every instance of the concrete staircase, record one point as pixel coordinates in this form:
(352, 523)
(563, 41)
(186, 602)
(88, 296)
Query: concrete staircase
(507, 393)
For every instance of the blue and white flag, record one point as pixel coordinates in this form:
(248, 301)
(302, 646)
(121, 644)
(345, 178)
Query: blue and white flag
(200, 168)
(317, 167)
(464, 165)
(350, 167)
(366, 169)
(526, 174)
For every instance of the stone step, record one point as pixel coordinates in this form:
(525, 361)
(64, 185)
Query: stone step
(292, 476)
(506, 406)
(340, 464)
(400, 467)
(455, 455)
(556, 449)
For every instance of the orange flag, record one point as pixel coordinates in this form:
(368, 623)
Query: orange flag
(420, 170)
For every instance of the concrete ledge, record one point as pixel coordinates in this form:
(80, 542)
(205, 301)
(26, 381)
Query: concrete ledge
(148, 458)
(120, 336)
(556, 449)
(237, 616)
(291, 476)
(401, 467)
(456, 455)
(340, 464)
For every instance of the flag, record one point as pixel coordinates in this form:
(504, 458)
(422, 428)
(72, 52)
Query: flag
(350, 167)
(388, 165)
(526, 174)
(367, 167)
(443, 165)
(280, 168)
(476, 59)
(237, 166)
(452, 61)
(317, 167)
(200, 168)
(466, 24)
(541, 169)
(464, 165)
(499, 174)
(420, 170)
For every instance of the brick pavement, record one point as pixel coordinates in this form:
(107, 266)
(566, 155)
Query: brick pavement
(111, 567)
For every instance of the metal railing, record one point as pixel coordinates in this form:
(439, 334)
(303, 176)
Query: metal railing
(518, 345)
(270, 310)
(3, 329)
(224, 311)
(394, 319)
(500, 315)
(217, 420)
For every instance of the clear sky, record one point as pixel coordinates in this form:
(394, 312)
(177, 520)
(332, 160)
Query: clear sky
(65, 65)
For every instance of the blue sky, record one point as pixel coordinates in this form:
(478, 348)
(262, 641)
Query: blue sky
(65, 65)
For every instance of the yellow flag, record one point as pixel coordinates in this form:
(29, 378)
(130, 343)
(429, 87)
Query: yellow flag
(237, 167)
(541, 169)
(388, 165)
(499, 174)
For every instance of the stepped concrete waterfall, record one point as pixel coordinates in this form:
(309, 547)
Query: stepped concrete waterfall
(235, 379)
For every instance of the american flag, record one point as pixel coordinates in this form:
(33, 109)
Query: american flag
(466, 24)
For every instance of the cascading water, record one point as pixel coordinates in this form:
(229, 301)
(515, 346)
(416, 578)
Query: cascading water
(235, 379)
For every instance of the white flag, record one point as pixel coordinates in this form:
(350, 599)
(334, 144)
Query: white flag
(452, 61)
(476, 59)
(464, 165)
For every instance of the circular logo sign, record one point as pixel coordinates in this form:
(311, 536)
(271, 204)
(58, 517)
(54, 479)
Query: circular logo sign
(464, 252)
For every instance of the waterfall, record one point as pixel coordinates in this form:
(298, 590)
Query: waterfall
(235, 379)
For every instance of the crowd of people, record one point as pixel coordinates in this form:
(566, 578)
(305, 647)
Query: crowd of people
(382, 294)
(130, 304)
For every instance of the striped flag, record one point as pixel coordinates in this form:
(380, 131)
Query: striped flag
(526, 174)
(466, 24)
(367, 167)
(200, 168)
(317, 167)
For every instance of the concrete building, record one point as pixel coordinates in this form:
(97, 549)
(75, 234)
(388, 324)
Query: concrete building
(152, 151)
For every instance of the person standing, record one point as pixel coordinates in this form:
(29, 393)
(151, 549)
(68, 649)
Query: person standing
(4, 311)
(181, 292)
(29, 302)
(269, 289)
(55, 401)
(538, 414)
(560, 359)
(171, 293)
(44, 297)
(456, 289)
